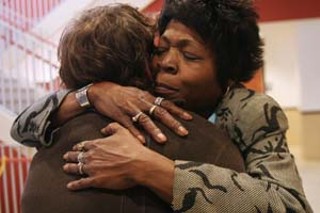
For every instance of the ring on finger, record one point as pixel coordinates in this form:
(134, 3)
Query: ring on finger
(158, 101)
(80, 166)
(152, 109)
(136, 117)
(80, 157)
(80, 146)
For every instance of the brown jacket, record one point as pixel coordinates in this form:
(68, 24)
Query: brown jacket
(46, 190)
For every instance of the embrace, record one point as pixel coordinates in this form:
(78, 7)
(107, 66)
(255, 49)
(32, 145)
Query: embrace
(131, 129)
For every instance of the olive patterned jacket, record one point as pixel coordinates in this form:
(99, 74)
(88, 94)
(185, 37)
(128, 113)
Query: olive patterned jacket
(254, 122)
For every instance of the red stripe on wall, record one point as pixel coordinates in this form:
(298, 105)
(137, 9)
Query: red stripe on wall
(270, 10)
(274, 10)
(153, 7)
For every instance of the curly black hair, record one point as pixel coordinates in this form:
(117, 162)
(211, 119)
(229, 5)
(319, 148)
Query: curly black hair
(228, 26)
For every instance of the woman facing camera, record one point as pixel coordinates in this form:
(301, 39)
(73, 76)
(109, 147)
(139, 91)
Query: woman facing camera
(206, 50)
(111, 43)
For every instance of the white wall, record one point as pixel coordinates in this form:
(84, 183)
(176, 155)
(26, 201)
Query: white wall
(309, 64)
(53, 24)
(6, 120)
(292, 58)
(281, 69)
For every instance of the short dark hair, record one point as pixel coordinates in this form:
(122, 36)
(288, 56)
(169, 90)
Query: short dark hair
(228, 26)
(112, 43)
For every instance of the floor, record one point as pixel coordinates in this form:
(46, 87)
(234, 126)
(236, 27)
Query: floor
(310, 174)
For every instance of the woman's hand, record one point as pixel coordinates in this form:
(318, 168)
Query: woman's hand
(119, 161)
(109, 162)
(123, 103)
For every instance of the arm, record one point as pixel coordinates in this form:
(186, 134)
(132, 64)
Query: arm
(33, 124)
(37, 122)
(68, 109)
(271, 183)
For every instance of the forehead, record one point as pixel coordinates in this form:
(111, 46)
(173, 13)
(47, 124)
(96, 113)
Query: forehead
(178, 32)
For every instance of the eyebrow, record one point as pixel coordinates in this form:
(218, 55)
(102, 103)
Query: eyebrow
(181, 43)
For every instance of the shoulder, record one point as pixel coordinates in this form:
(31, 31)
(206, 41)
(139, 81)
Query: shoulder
(244, 103)
(242, 98)
(83, 127)
(246, 111)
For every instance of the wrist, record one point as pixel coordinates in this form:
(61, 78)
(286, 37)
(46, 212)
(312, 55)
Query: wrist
(90, 94)
(81, 96)
(68, 109)
(98, 91)
(156, 172)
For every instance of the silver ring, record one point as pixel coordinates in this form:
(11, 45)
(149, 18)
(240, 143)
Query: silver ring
(158, 101)
(151, 110)
(80, 157)
(80, 146)
(80, 166)
(136, 117)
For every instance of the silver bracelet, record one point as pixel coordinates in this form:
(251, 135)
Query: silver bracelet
(82, 96)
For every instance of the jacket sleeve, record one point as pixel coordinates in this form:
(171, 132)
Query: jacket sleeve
(271, 182)
(32, 126)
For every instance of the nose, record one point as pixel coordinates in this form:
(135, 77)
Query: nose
(168, 62)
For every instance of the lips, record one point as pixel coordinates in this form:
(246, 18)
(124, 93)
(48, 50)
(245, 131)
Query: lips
(166, 90)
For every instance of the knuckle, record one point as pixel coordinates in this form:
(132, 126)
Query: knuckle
(94, 145)
(175, 125)
(145, 93)
(89, 157)
(132, 89)
(87, 168)
(160, 112)
(112, 126)
(91, 169)
(165, 103)
(144, 119)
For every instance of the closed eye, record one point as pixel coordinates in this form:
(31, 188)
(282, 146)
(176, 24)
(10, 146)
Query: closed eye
(190, 56)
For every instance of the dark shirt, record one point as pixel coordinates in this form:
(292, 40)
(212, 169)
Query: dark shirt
(46, 190)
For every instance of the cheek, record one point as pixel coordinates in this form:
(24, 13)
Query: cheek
(199, 89)
(198, 81)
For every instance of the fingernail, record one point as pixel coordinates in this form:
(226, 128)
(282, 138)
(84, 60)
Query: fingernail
(187, 116)
(161, 137)
(183, 131)
(103, 131)
(142, 139)
(65, 156)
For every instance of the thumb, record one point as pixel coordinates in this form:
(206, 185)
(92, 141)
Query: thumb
(112, 128)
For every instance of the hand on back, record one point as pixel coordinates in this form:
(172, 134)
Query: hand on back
(123, 103)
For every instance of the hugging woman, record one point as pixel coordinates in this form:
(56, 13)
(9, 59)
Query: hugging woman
(111, 43)
(207, 49)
